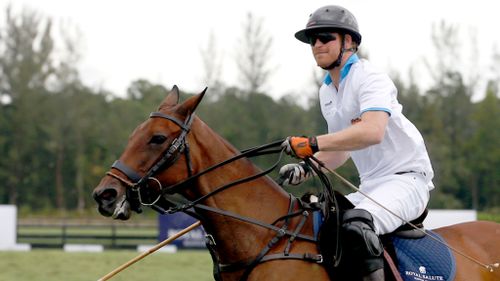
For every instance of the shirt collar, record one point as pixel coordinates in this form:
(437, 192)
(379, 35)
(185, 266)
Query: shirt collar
(344, 71)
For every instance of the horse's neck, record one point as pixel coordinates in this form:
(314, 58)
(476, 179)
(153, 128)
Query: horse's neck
(259, 199)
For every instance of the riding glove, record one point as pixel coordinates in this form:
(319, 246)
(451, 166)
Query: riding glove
(300, 147)
(295, 173)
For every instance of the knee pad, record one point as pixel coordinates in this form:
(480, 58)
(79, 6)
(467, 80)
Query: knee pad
(359, 234)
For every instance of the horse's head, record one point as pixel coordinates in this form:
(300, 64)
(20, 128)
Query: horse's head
(152, 158)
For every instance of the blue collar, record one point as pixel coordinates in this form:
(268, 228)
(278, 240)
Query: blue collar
(344, 71)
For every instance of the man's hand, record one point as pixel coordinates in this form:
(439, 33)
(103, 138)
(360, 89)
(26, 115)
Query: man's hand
(295, 174)
(300, 147)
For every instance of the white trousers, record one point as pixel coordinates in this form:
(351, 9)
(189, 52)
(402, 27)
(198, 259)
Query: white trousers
(406, 195)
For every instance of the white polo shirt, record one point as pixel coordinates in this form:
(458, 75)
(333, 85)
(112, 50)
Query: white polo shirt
(363, 88)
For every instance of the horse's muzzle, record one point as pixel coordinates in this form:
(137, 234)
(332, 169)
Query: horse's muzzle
(111, 204)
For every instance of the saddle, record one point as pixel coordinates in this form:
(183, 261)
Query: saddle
(407, 250)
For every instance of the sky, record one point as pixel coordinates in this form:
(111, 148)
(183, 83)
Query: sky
(124, 40)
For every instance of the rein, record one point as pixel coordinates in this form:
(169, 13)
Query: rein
(252, 152)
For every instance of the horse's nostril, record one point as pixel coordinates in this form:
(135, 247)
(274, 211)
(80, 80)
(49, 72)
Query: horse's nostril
(107, 194)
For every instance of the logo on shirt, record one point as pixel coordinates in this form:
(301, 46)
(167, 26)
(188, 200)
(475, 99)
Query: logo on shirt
(329, 103)
(355, 120)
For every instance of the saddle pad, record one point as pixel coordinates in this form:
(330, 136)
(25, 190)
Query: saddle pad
(424, 259)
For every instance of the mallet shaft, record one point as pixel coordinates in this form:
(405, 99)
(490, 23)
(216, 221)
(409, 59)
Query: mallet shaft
(150, 251)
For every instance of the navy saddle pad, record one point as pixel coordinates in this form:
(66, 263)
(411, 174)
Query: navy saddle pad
(424, 259)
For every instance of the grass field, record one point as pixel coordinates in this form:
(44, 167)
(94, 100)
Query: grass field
(56, 265)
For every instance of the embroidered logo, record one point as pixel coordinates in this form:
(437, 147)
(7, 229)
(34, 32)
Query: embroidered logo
(422, 275)
(329, 103)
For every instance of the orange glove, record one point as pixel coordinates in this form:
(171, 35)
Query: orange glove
(300, 147)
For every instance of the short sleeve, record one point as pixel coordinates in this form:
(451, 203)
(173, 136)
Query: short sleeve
(376, 93)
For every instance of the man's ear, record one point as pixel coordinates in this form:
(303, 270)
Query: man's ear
(347, 41)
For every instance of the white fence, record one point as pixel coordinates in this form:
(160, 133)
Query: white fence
(440, 218)
(8, 224)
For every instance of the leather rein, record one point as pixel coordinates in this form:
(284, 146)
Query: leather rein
(179, 146)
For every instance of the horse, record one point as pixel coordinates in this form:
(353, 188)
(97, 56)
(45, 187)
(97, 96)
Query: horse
(257, 230)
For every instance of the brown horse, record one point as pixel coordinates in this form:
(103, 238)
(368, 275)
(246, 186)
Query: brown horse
(250, 217)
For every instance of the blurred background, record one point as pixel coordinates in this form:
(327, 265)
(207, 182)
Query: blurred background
(76, 77)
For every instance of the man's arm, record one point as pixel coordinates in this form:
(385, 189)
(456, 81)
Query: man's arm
(368, 131)
(332, 159)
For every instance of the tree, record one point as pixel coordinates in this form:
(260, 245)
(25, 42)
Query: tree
(44, 140)
(494, 81)
(212, 66)
(254, 53)
(450, 99)
(25, 67)
(483, 152)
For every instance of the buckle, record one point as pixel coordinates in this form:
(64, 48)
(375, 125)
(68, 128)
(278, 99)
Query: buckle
(312, 257)
(209, 239)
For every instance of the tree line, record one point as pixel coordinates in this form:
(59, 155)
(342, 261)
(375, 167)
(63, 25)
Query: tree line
(59, 136)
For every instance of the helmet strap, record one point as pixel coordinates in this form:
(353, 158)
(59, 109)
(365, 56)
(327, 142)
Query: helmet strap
(338, 61)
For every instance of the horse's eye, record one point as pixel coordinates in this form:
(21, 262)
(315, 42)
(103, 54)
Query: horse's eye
(158, 139)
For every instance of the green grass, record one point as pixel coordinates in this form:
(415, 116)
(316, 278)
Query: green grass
(56, 265)
(491, 216)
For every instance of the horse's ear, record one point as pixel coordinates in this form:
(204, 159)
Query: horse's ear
(189, 106)
(171, 99)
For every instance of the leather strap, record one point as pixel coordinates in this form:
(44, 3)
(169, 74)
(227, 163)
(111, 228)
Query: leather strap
(130, 173)
(392, 266)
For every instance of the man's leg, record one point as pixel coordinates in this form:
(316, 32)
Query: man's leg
(363, 244)
(405, 195)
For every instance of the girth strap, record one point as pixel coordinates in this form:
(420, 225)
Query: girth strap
(316, 258)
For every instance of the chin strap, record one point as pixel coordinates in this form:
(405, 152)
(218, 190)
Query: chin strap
(338, 61)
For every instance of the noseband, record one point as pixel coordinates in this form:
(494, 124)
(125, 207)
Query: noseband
(135, 181)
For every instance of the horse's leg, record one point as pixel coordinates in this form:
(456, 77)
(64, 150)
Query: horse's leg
(479, 240)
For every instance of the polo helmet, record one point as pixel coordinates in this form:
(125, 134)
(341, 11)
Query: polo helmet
(332, 17)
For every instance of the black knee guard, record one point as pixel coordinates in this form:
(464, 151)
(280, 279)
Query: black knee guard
(361, 241)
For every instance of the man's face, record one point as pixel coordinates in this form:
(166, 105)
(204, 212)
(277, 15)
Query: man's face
(325, 47)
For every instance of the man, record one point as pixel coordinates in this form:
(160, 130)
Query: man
(365, 123)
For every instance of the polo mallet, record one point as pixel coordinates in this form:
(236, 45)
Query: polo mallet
(150, 251)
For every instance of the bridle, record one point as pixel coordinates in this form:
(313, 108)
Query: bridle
(136, 182)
